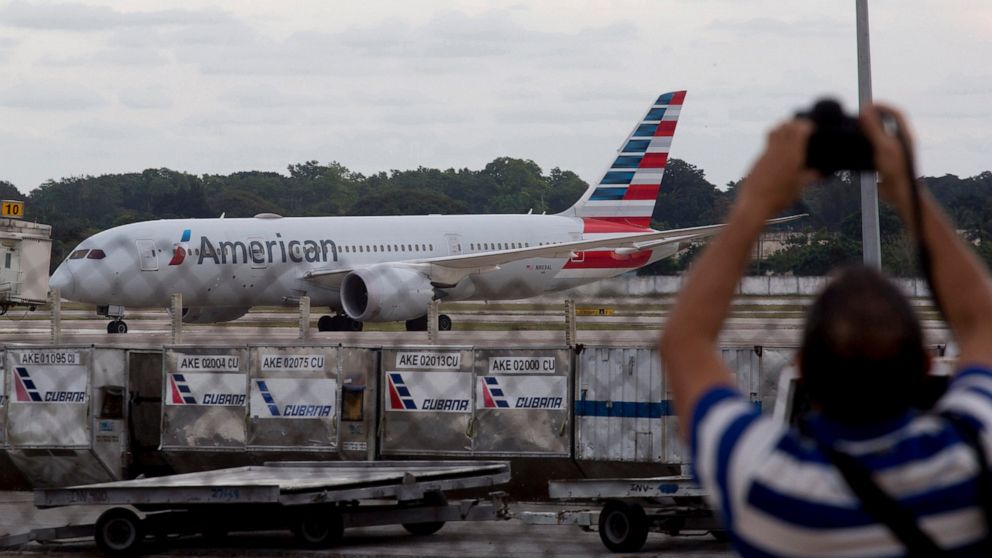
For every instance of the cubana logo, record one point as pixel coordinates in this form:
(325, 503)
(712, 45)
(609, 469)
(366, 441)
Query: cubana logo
(25, 388)
(293, 410)
(516, 392)
(181, 394)
(206, 389)
(179, 254)
(445, 392)
(492, 394)
(51, 387)
(399, 394)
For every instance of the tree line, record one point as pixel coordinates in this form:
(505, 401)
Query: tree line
(78, 207)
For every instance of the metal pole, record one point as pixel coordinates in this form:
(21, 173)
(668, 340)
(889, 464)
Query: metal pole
(570, 323)
(177, 318)
(870, 240)
(55, 304)
(304, 317)
(433, 310)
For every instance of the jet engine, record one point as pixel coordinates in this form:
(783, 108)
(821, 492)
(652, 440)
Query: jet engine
(213, 314)
(386, 293)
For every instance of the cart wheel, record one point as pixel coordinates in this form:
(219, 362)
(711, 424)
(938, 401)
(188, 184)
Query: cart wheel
(428, 527)
(119, 533)
(623, 527)
(423, 529)
(319, 527)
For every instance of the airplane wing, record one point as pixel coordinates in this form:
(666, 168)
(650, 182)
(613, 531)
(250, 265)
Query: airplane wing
(449, 270)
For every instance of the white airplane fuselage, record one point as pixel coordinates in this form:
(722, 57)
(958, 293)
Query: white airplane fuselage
(263, 260)
(387, 268)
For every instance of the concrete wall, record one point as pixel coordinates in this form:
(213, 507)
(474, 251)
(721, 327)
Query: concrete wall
(772, 285)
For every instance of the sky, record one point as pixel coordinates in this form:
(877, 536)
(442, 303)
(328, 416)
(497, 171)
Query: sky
(95, 87)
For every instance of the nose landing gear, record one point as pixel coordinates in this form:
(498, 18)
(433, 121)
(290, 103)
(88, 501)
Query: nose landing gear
(116, 312)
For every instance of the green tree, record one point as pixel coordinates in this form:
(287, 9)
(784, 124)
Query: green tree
(10, 192)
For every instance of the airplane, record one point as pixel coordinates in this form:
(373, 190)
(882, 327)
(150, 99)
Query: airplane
(388, 268)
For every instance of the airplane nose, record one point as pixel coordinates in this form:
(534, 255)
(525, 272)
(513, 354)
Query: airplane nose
(63, 280)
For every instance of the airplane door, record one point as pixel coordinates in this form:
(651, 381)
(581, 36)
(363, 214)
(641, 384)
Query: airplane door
(10, 268)
(256, 252)
(454, 244)
(147, 256)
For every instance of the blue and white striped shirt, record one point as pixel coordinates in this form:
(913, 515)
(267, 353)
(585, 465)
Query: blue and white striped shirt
(779, 496)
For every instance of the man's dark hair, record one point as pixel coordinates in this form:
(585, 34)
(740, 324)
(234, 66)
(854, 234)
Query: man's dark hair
(862, 358)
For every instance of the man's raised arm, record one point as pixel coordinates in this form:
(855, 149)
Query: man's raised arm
(961, 281)
(688, 344)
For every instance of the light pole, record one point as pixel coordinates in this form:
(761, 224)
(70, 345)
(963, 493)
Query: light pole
(871, 244)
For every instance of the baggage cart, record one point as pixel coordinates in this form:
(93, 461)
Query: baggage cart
(317, 501)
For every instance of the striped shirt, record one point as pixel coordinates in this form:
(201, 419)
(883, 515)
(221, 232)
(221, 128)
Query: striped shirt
(779, 496)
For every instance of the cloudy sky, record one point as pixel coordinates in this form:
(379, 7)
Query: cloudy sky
(92, 87)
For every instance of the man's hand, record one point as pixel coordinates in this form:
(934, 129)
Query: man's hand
(780, 172)
(890, 157)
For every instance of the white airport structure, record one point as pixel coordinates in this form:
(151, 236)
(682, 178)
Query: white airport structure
(25, 255)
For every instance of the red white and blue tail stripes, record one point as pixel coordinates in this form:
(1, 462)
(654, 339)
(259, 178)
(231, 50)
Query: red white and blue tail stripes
(627, 192)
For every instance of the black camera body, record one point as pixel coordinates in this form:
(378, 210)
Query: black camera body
(838, 142)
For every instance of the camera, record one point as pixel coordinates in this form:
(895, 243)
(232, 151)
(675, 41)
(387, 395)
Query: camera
(837, 142)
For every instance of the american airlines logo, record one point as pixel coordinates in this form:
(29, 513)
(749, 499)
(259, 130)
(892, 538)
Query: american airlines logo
(266, 251)
(179, 253)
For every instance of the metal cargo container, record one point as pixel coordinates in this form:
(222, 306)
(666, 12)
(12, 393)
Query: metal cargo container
(623, 409)
(65, 419)
(293, 399)
(522, 402)
(204, 407)
(427, 395)
(622, 412)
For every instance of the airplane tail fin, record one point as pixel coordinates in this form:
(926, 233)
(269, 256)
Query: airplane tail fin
(626, 195)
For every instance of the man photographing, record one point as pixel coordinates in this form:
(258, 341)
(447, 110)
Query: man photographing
(865, 474)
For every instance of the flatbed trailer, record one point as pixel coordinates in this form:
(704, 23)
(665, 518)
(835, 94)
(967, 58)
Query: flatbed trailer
(630, 508)
(315, 500)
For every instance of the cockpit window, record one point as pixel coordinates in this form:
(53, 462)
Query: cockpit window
(96, 254)
(78, 254)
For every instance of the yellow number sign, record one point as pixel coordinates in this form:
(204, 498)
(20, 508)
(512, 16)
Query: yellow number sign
(12, 208)
(587, 311)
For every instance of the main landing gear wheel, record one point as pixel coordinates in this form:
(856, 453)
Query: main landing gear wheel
(420, 324)
(338, 323)
(623, 527)
(117, 326)
(119, 533)
(319, 527)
